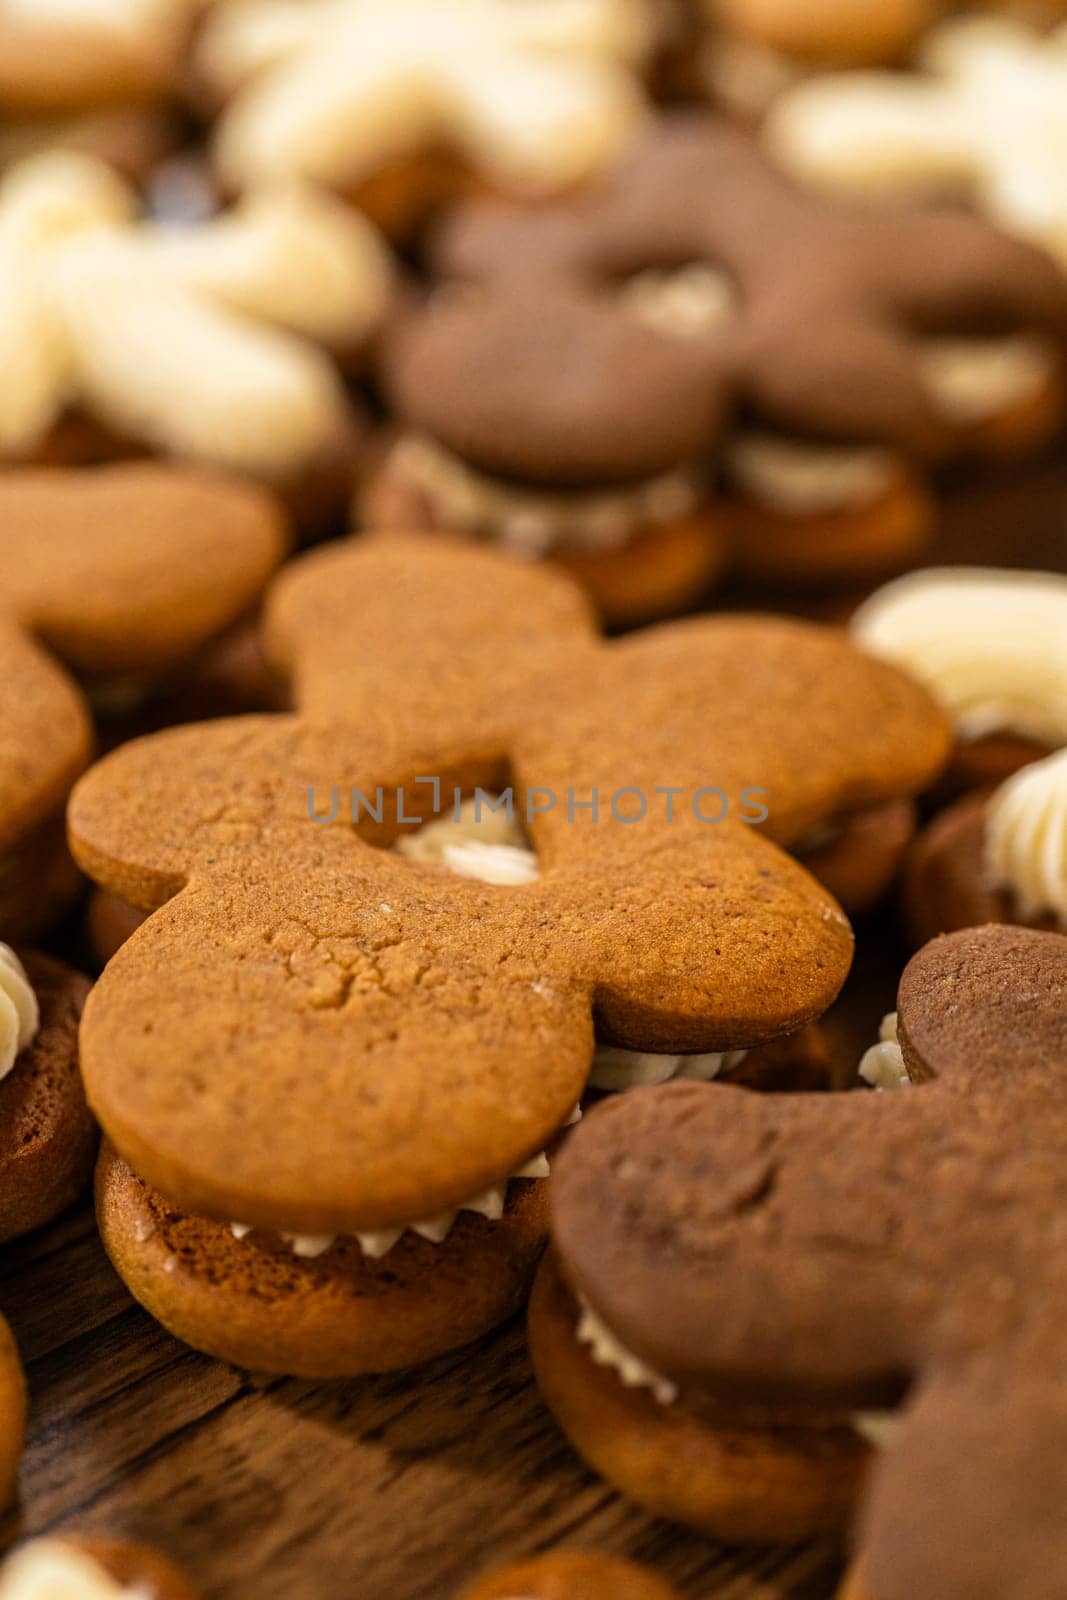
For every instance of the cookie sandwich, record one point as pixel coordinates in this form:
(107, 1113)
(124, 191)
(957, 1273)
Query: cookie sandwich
(120, 575)
(404, 108)
(997, 856)
(760, 1284)
(325, 992)
(697, 362)
(214, 343)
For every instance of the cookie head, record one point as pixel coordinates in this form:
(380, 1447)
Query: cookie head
(851, 1250)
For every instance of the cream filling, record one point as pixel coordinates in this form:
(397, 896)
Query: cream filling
(684, 303)
(616, 1069)
(198, 339)
(882, 1066)
(20, 1015)
(607, 1350)
(803, 479)
(990, 645)
(975, 380)
(536, 522)
(52, 1569)
(541, 96)
(377, 1242)
(1026, 839)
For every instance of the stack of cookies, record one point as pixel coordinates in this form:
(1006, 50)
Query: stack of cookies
(533, 856)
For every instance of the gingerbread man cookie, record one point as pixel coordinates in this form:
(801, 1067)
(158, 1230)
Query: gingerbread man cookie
(403, 105)
(985, 113)
(310, 966)
(991, 646)
(12, 1413)
(571, 1576)
(47, 1137)
(207, 342)
(818, 1256)
(565, 386)
(79, 1567)
(117, 571)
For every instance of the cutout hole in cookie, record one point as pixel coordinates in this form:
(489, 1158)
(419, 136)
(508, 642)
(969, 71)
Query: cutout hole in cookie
(478, 833)
(685, 300)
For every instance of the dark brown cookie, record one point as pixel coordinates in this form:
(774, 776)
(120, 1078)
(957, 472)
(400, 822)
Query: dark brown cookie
(529, 363)
(47, 1137)
(845, 1250)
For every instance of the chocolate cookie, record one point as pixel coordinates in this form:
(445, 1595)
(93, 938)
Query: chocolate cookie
(847, 1252)
(119, 572)
(47, 1137)
(575, 370)
(310, 966)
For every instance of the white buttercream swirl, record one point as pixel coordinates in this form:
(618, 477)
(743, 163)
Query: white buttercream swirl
(990, 645)
(52, 1569)
(1026, 839)
(882, 1066)
(20, 1015)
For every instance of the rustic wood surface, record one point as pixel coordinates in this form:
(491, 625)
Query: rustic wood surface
(398, 1488)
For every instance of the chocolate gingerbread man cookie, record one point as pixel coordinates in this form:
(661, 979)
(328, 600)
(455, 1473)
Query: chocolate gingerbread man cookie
(80, 1567)
(577, 369)
(127, 570)
(818, 1256)
(47, 1137)
(299, 967)
(571, 1576)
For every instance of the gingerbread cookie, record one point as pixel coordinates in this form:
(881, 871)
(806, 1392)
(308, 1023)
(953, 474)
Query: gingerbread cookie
(984, 114)
(309, 965)
(47, 1137)
(121, 571)
(79, 1567)
(566, 384)
(209, 343)
(571, 1576)
(12, 1413)
(994, 857)
(819, 1256)
(991, 646)
(404, 107)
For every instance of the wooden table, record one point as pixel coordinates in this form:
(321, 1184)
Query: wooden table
(397, 1488)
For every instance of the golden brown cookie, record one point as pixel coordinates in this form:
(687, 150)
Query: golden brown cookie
(835, 32)
(858, 861)
(47, 1137)
(571, 1576)
(117, 573)
(737, 1473)
(294, 959)
(852, 1253)
(73, 1564)
(12, 1413)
